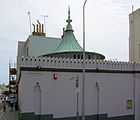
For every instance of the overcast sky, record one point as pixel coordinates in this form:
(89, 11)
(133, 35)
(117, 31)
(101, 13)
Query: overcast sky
(107, 25)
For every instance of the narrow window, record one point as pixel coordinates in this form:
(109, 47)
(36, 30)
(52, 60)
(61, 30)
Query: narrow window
(27, 51)
(88, 56)
(139, 50)
(78, 56)
(81, 56)
(74, 56)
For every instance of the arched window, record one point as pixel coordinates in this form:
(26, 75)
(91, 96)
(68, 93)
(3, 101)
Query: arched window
(37, 99)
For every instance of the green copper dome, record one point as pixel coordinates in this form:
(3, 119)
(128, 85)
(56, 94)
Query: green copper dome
(70, 48)
(69, 42)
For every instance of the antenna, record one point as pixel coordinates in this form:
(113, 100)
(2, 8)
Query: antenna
(132, 8)
(45, 22)
(30, 23)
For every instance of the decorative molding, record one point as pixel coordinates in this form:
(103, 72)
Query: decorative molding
(47, 62)
(76, 65)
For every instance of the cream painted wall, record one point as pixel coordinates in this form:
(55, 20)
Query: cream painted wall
(115, 90)
(137, 96)
(134, 42)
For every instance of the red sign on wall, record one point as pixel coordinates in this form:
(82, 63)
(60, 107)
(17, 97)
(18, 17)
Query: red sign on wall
(55, 76)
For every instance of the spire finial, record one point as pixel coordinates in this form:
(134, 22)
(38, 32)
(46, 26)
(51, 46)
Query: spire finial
(69, 20)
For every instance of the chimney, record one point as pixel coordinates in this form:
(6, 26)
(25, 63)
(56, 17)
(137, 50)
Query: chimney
(63, 32)
(34, 27)
(42, 28)
(37, 28)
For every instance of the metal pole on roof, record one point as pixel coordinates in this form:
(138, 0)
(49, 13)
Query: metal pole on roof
(45, 22)
(30, 22)
(83, 80)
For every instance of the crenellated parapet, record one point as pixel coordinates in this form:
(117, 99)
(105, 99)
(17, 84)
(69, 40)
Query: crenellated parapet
(48, 62)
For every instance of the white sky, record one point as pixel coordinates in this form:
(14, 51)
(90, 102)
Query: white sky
(107, 25)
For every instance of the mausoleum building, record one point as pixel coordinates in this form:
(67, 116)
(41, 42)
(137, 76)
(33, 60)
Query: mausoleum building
(49, 75)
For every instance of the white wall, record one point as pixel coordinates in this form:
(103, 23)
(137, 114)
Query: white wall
(115, 90)
(137, 96)
(134, 43)
(21, 49)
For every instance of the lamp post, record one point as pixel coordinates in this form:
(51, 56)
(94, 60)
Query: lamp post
(83, 80)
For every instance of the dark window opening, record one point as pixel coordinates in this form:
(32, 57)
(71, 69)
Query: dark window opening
(27, 51)
(78, 56)
(74, 56)
(88, 56)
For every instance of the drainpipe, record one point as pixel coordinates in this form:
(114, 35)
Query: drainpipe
(134, 89)
(77, 94)
(134, 75)
(97, 85)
